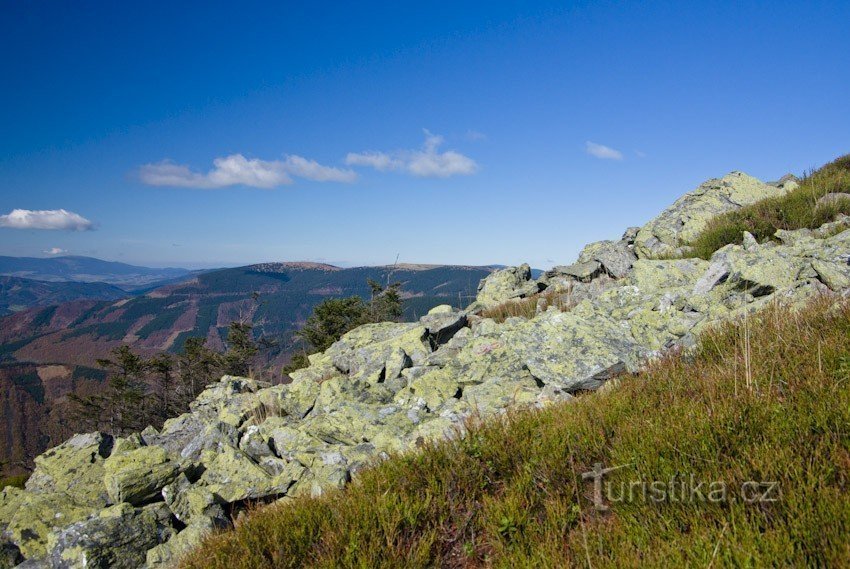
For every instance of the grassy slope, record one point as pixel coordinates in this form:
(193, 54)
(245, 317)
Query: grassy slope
(795, 210)
(764, 400)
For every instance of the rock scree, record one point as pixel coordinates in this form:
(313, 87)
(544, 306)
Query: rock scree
(143, 500)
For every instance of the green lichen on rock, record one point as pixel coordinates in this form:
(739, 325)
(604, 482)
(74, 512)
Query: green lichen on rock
(505, 284)
(667, 234)
(138, 475)
(119, 536)
(74, 468)
(38, 515)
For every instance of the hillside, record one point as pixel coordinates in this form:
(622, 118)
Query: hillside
(729, 369)
(18, 294)
(735, 458)
(30, 420)
(88, 270)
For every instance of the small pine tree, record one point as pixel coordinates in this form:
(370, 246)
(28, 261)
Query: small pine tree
(335, 316)
(197, 367)
(122, 407)
(241, 350)
(162, 368)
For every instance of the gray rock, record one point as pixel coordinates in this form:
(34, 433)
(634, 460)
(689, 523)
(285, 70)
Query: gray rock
(441, 325)
(616, 257)
(505, 284)
(119, 537)
(582, 271)
(10, 555)
(717, 273)
(137, 476)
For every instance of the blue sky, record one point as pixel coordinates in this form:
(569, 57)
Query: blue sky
(209, 134)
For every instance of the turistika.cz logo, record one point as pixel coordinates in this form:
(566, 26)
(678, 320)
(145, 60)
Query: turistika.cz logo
(681, 489)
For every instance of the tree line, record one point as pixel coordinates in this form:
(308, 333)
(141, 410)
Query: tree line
(143, 391)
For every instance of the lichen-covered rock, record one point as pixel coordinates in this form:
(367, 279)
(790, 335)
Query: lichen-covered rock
(670, 232)
(10, 499)
(363, 352)
(38, 515)
(193, 504)
(137, 476)
(74, 468)
(118, 537)
(166, 554)
(442, 322)
(505, 284)
(615, 257)
(582, 271)
(232, 476)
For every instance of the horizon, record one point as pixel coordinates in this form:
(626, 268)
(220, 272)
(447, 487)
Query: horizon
(400, 266)
(471, 134)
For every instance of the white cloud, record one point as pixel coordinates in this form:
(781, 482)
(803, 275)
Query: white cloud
(312, 170)
(237, 170)
(380, 161)
(427, 162)
(475, 136)
(45, 219)
(55, 251)
(602, 151)
(640, 153)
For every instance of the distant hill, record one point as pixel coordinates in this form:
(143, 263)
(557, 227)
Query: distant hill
(88, 270)
(79, 332)
(18, 294)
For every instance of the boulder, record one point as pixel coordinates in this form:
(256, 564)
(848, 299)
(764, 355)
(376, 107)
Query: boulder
(74, 468)
(166, 554)
(363, 352)
(441, 323)
(505, 284)
(615, 257)
(668, 234)
(38, 515)
(582, 271)
(118, 537)
(138, 476)
(396, 362)
(836, 276)
(193, 504)
(232, 476)
(787, 182)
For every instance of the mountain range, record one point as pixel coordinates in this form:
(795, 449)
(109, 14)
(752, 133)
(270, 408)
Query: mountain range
(18, 294)
(88, 270)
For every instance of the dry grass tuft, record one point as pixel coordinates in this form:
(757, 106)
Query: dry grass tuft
(527, 307)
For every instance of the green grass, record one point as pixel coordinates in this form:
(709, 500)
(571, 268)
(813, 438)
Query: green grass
(765, 400)
(795, 210)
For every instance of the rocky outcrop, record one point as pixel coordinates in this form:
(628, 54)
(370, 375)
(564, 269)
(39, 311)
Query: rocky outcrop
(143, 500)
(668, 234)
(505, 284)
